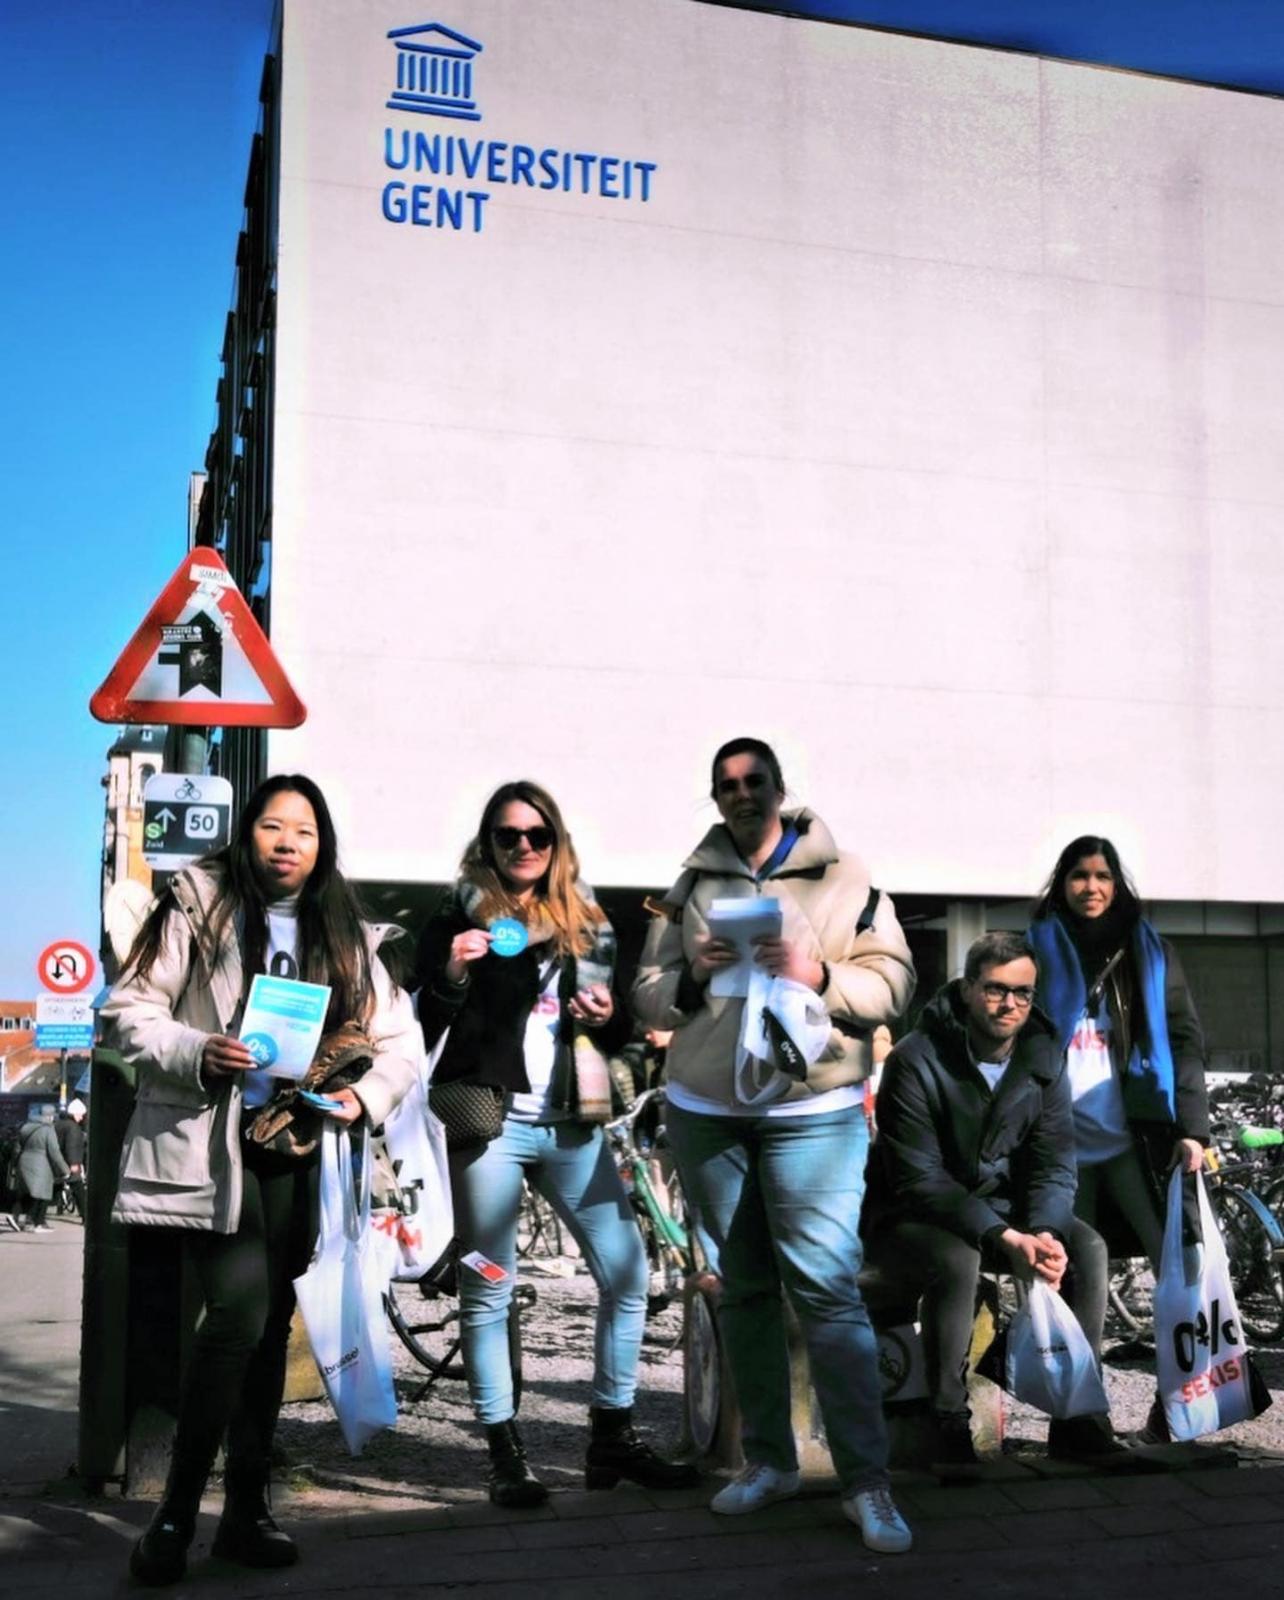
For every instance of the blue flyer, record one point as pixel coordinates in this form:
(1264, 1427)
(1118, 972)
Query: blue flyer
(282, 1024)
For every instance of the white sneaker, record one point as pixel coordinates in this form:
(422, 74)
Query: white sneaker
(757, 1485)
(881, 1525)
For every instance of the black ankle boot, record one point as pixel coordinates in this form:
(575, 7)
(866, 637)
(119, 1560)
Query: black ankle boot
(160, 1556)
(511, 1481)
(617, 1450)
(1085, 1438)
(247, 1531)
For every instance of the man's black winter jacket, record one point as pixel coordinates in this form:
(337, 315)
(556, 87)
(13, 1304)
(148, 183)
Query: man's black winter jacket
(950, 1152)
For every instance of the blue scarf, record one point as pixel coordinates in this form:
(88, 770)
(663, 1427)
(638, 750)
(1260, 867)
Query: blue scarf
(1148, 1078)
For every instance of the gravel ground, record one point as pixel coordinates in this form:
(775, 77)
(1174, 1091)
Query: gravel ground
(437, 1449)
(436, 1452)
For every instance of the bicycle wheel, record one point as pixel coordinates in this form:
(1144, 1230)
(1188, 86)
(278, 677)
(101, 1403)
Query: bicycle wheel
(704, 1395)
(539, 1228)
(428, 1326)
(1250, 1247)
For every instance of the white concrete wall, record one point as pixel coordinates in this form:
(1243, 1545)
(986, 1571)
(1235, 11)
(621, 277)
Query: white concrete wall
(925, 422)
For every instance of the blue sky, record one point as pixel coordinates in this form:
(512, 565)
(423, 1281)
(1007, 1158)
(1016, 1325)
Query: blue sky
(124, 132)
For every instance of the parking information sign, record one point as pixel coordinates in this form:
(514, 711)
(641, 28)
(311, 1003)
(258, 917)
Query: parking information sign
(64, 1023)
(184, 818)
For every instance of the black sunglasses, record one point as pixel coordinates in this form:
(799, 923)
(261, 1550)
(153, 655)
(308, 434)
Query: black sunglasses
(539, 839)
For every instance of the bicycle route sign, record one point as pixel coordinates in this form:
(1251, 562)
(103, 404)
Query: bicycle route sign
(64, 1022)
(184, 818)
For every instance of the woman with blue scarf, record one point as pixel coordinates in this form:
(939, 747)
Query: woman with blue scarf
(1116, 994)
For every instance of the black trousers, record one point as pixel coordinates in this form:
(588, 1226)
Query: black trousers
(929, 1274)
(236, 1374)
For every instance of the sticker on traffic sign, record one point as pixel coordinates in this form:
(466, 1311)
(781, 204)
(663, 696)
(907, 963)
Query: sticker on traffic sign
(66, 967)
(199, 659)
(185, 817)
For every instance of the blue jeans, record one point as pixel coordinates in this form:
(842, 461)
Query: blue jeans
(570, 1165)
(776, 1202)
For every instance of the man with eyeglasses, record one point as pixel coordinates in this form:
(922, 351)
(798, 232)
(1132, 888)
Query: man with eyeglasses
(973, 1167)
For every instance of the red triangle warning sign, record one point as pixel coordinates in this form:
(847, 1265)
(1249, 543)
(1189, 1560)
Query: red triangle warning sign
(199, 659)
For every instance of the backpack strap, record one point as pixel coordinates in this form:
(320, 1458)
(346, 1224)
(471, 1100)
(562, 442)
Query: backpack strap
(865, 921)
(674, 903)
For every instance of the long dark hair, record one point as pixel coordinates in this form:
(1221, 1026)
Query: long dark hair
(575, 920)
(1126, 905)
(332, 941)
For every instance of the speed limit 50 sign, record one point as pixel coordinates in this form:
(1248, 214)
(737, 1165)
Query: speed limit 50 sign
(184, 818)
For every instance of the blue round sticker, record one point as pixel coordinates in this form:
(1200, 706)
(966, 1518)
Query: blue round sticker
(262, 1046)
(508, 937)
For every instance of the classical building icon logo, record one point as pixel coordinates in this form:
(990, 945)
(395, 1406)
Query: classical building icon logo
(434, 72)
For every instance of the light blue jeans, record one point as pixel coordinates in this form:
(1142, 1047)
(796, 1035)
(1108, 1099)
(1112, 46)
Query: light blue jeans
(570, 1165)
(777, 1203)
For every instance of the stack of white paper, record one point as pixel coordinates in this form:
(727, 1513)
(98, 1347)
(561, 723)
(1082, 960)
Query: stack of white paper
(740, 922)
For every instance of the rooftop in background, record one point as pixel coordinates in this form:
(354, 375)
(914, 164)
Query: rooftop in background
(1228, 43)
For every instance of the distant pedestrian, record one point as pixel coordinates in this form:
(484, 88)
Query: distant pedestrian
(72, 1140)
(40, 1166)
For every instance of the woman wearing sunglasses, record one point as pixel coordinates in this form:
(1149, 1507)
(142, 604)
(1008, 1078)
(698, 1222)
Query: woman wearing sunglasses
(1123, 1012)
(776, 1176)
(518, 965)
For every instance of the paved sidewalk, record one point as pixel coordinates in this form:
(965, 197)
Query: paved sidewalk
(1080, 1536)
(1015, 1530)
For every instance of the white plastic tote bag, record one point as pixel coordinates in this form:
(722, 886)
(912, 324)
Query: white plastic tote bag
(341, 1298)
(785, 1028)
(423, 1222)
(1049, 1360)
(1205, 1370)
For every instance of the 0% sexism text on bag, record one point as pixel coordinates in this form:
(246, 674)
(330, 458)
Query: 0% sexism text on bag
(1206, 1376)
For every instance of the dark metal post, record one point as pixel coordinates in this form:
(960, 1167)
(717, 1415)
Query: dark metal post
(138, 1311)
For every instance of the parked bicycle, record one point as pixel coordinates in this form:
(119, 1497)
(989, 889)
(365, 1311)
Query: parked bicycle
(1234, 1164)
(539, 1228)
(637, 1140)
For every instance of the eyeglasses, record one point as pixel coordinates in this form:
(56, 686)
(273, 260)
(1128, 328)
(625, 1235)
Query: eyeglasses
(539, 839)
(752, 781)
(997, 993)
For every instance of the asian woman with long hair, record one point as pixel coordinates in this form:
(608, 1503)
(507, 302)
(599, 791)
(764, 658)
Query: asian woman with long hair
(274, 901)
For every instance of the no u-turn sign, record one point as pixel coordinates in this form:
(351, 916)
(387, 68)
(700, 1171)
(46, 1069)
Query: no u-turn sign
(66, 967)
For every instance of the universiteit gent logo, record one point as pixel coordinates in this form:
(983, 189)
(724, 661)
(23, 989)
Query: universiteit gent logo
(434, 72)
(445, 179)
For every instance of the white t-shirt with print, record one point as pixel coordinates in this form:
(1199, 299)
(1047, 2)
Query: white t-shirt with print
(1100, 1122)
(539, 1048)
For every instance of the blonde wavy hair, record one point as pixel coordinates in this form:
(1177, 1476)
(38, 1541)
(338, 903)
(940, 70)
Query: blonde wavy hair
(558, 902)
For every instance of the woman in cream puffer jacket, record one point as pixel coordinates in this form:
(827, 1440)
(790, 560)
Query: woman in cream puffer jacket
(772, 1161)
(274, 902)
